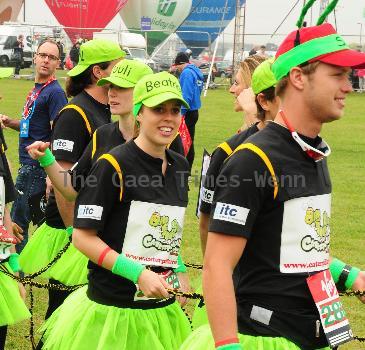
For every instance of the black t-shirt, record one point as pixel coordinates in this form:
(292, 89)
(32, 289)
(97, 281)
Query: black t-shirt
(176, 145)
(105, 139)
(287, 228)
(219, 155)
(10, 191)
(71, 135)
(143, 218)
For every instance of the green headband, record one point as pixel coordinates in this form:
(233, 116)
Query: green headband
(305, 52)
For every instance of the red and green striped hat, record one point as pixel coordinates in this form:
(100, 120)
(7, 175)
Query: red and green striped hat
(317, 43)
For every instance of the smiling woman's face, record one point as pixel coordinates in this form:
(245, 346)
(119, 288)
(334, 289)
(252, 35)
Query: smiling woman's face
(237, 87)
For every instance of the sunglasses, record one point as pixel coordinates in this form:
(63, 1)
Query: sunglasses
(312, 152)
(43, 56)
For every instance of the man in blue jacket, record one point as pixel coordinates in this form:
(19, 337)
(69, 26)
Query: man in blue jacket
(191, 81)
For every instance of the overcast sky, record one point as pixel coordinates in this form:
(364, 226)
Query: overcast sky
(262, 17)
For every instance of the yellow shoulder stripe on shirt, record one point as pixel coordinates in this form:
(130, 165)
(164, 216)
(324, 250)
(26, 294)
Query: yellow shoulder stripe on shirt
(94, 145)
(226, 148)
(116, 166)
(266, 160)
(82, 113)
(177, 134)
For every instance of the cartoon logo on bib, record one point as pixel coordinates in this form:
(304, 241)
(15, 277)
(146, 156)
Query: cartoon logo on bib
(162, 222)
(320, 224)
(167, 234)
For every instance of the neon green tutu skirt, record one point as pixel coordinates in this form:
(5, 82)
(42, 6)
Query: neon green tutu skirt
(12, 306)
(71, 269)
(82, 324)
(41, 249)
(202, 339)
(200, 316)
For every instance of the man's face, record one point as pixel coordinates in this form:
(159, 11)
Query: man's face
(326, 90)
(47, 59)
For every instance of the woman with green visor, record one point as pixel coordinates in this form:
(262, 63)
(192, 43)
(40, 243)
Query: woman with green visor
(130, 227)
(71, 268)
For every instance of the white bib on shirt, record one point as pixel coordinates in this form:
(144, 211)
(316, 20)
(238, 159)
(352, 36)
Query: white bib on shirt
(154, 232)
(305, 234)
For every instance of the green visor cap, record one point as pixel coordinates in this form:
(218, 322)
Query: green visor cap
(307, 51)
(6, 72)
(263, 77)
(96, 51)
(155, 89)
(126, 74)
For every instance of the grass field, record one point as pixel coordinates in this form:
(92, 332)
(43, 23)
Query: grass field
(218, 122)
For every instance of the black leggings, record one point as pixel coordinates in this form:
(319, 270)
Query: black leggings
(55, 298)
(3, 331)
(191, 118)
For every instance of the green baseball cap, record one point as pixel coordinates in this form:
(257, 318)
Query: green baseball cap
(6, 72)
(96, 51)
(126, 74)
(155, 89)
(263, 77)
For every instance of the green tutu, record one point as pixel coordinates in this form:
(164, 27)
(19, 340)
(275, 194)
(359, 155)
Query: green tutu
(200, 316)
(12, 306)
(202, 339)
(71, 269)
(82, 324)
(41, 249)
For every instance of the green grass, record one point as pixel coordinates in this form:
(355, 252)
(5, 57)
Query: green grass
(217, 122)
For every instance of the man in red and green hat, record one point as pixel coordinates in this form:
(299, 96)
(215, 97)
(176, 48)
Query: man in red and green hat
(270, 218)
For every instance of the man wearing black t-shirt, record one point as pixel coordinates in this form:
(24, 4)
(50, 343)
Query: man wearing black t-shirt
(271, 219)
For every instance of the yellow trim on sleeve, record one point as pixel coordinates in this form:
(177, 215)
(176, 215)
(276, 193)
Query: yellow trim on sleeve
(94, 145)
(116, 166)
(266, 160)
(82, 113)
(169, 145)
(2, 148)
(226, 148)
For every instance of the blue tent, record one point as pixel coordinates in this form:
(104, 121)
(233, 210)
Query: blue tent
(206, 16)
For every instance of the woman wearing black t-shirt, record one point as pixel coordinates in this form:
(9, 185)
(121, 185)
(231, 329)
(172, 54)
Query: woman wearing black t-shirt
(131, 219)
(71, 133)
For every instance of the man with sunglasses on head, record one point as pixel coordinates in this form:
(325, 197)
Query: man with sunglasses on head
(270, 219)
(42, 105)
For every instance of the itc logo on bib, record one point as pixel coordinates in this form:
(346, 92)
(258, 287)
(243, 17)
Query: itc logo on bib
(64, 145)
(90, 212)
(207, 195)
(231, 213)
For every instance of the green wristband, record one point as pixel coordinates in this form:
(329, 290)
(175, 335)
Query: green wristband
(234, 346)
(354, 272)
(14, 262)
(127, 268)
(47, 160)
(336, 267)
(181, 267)
(69, 230)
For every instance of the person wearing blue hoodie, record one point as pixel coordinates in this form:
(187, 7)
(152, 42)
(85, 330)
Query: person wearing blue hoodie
(191, 81)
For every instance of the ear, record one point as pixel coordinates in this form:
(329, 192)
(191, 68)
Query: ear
(97, 72)
(297, 78)
(263, 101)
